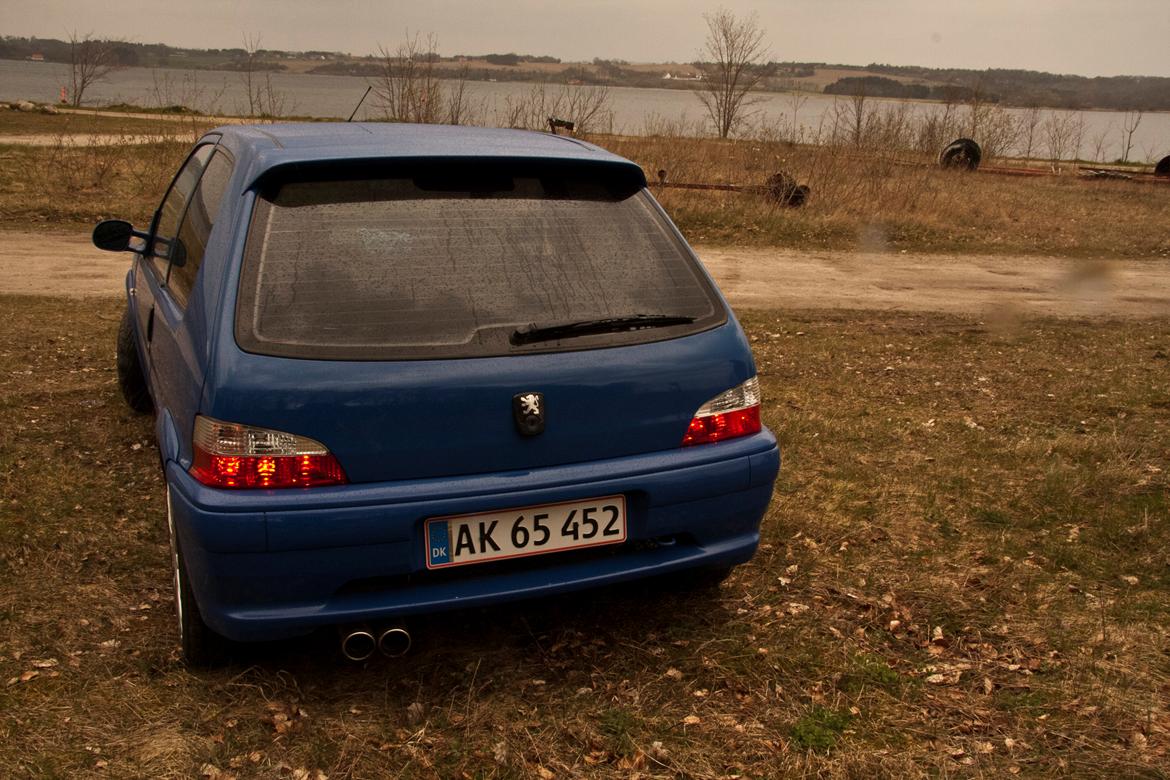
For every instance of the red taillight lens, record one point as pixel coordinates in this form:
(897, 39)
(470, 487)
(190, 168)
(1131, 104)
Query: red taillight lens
(726, 416)
(228, 455)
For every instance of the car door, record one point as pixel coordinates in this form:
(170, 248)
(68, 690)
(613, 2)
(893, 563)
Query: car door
(152, 264)
(177, 353)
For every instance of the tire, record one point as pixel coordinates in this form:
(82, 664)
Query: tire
(1163, 167)
(779, 187)
(200, 646)
(131, 380)
(962, 153)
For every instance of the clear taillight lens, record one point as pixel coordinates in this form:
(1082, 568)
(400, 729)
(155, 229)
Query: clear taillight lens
(728, 415)
(229, 455)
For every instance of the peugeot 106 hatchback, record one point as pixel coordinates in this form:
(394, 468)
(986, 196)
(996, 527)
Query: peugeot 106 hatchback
(398, 369)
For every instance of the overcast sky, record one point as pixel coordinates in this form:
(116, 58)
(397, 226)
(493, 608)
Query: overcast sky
(1089, 37)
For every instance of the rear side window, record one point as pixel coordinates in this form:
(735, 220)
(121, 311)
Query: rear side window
(174, 205)
(196, 226)
(452, 263)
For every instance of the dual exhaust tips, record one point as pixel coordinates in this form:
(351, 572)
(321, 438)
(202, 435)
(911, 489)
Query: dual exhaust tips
(360, 644)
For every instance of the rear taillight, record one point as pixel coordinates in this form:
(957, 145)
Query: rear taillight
(728, 415)
(228, 455)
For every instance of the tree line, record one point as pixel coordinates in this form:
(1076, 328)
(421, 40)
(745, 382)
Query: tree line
(1049, 90)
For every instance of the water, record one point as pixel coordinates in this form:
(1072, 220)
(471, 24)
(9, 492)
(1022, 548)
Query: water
(635, 110)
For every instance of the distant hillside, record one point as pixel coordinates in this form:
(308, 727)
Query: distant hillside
(879, 86)
(1029, 87)
(1012, 87)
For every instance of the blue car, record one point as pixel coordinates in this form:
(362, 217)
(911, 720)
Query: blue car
(397, 369)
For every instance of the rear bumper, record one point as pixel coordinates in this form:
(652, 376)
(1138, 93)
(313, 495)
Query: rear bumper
(273, 564)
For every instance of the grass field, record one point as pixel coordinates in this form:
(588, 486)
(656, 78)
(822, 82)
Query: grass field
(881, 202)
(20, 123)
(965, 572)
(858, 201)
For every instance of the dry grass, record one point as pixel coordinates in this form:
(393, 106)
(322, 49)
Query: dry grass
(867, 202)
(20, 123)
(76, 186)
(877, 202)
(66, 184)
(964, 573)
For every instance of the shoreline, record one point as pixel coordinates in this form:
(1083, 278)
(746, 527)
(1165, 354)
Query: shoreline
(554, 82)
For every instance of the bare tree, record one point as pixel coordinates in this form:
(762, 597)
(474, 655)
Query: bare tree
(1029, 123)
(977, 108)
(1077, 138)
(409, 89)
(937, 127)
(459, 110)
(1000, 132)
(733, 66)
(892, 127)
(1060, 131)
(90, 61)
(263, 99)
(1129, 126)
(852, 120)
(797, 101)
(586, 107)
(1099, 141)
(251, 51)
(184, 92)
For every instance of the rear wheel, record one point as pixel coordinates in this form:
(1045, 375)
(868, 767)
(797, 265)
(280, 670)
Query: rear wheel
(201, 647)
(131, 379)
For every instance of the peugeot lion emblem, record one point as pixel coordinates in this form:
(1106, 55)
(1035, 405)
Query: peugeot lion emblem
(528, 411)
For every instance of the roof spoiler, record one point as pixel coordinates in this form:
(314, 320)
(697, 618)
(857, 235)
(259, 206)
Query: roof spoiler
(618, 175)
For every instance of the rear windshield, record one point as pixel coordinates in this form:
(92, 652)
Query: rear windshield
(455, 262)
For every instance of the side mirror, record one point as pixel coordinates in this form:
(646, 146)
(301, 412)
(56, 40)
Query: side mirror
(113, 235)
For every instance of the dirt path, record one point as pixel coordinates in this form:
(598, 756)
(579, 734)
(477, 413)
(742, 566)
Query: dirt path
(89, 139)
(215, 120)
(167, 127)
(67, 264)
(972, 284)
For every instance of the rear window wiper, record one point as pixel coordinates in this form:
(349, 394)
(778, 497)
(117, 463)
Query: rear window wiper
(567, 330)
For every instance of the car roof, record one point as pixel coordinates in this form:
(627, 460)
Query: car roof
(261, 148)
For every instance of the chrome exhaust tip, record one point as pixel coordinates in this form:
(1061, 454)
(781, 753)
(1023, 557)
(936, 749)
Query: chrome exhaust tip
(394, 642)
(358, 645)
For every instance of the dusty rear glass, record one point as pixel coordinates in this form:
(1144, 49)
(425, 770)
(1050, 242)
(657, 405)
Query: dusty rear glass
(449, 261)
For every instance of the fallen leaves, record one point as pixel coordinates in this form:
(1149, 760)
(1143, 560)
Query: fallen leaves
(308, 774)
(253, 757)
(284, 717)
(945, 674)
(415, 713)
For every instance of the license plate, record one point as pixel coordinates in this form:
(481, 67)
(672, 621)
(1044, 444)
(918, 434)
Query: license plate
(529, 530)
